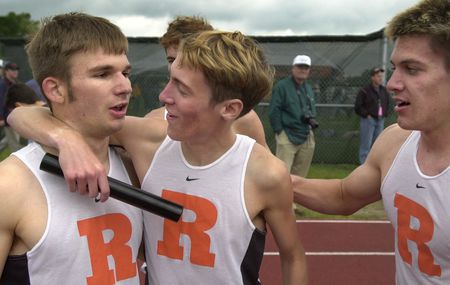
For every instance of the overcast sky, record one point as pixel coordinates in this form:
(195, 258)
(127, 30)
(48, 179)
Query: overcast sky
(149, 18)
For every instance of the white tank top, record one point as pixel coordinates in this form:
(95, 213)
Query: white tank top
(419, 209)
(215, 242)
(84, 242)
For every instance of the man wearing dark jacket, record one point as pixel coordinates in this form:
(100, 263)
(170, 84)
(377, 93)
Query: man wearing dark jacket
(372, 104)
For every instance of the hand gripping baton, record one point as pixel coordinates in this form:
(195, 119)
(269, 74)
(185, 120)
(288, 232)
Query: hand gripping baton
(126, 193)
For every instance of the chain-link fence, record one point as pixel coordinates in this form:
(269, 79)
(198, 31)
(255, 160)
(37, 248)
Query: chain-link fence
(340, 66)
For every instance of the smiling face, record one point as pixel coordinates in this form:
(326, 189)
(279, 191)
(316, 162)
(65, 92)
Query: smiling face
(100, 89)
(421, 84)
(187, 96)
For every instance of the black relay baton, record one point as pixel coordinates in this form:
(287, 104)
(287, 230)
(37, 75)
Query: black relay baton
(126, 193)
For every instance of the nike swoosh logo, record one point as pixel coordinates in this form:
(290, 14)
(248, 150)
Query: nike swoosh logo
(191, 179)
(419, 186)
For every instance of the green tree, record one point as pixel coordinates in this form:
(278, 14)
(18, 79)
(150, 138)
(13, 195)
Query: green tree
(17, 25)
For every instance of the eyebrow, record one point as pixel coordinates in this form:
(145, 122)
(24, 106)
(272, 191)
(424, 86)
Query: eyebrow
(178, 82)
(107, 67)
(407, 61)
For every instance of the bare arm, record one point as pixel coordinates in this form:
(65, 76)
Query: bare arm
(7, 222)
(250, 125)
(156, 113)
(360, 188)
(23, 210)
(338, 196)
(82, 169)
(277, 197)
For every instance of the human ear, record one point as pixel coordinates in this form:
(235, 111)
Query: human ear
(54, 90)
(232, 109)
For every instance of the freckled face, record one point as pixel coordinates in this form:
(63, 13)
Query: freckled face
(187, 97)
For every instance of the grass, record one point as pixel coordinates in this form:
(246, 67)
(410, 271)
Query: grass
(374, 211)
(4, 153)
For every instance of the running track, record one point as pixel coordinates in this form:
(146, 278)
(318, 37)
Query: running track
(338, 252)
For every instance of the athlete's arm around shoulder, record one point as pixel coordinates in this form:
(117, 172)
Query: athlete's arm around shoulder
(361, 187)
(141, 137)
(23, 209)
(268, 189)
(156, 113)
(78, 162)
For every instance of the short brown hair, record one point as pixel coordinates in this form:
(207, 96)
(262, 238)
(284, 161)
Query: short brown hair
(234, 66)
(430, 18)
(60, 37)
(182, 27)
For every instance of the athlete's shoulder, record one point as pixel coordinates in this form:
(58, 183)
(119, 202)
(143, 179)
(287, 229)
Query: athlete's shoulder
(394, 135)
(386, 147)
(265, 168)
(13, 171)
(16, 186)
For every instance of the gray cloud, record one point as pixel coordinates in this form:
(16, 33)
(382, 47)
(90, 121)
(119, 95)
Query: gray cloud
(254, 17)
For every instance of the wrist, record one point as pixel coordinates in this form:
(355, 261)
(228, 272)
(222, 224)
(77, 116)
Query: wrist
(63, 136)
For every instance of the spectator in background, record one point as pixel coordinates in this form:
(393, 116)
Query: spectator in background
(292, 116)
(372, 105)
(10, 76)
(1, 68)
(19, 94)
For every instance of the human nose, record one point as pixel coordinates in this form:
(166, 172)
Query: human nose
(165, 95)
(394, 83)
(123, 85)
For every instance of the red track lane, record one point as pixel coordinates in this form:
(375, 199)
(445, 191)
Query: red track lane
(339, 253)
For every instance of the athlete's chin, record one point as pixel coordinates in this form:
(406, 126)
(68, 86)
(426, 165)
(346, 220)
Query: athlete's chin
(407, 125)
(115, 127)
(174, 135)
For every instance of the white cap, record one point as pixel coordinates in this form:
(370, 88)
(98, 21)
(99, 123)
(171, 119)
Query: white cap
(302, 59)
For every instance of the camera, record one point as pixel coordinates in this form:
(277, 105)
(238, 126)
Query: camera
(311, 121)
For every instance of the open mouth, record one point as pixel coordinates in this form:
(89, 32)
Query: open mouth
(402, 103)
(119, 107)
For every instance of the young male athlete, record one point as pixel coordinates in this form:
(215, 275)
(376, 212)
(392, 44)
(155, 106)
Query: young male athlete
(409, 164)
(47, 234)
(231, 188)
(180, 28)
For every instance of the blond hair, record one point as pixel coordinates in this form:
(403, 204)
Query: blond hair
(234, 66)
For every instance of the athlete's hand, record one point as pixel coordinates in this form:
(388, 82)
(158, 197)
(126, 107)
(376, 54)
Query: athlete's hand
(83, 171)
